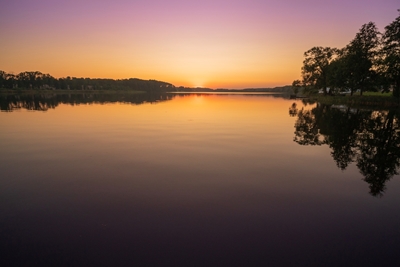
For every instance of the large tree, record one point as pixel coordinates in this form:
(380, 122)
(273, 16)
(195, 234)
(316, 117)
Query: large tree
(316, 67)
(338, 73)
(391, 54)
(360, 58)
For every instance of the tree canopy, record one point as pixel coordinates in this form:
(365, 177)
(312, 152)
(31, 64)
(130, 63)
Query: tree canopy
(370, 62)
(315, 68)
(391, 54)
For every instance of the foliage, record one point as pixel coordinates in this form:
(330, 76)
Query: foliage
(369, 63)
(360, 58)
(296, 86)
(39, 81)
(391, 54)
(316, 67)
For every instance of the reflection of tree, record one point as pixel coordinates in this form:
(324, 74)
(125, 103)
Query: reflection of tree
(44, 102)
(342, 135)
(307, 132)
(379, 146)
(372, 139)
(293, 110)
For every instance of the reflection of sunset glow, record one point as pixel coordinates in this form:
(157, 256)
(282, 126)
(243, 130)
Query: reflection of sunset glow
(188, 114)
(197, 99)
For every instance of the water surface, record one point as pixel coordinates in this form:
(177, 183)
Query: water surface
(193, 180)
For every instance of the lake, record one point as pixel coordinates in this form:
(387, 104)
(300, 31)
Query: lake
(197, 180)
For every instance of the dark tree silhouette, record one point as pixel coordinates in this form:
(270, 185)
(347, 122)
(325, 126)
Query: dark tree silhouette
(315, 68)
(391, 54)
(38, 80)
(360, 56)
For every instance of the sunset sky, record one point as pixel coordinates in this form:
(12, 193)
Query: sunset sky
(208, 43)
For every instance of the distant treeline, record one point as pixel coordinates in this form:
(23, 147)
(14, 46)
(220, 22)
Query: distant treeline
(370, 62)
(38, 80)
(281, 89)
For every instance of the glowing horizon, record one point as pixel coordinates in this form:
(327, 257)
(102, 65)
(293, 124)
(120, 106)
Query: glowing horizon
(215, 44)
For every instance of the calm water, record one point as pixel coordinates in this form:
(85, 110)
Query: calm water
(197, 180)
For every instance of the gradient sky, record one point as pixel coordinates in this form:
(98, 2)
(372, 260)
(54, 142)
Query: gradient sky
(209, 43)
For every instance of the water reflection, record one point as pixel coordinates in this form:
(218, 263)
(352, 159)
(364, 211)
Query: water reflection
(146, 185)
(369, 138)
(43, 102)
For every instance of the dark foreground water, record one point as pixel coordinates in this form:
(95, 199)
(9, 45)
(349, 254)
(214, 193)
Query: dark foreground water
(196, 180)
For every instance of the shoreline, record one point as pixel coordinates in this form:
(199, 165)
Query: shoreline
(61, 91)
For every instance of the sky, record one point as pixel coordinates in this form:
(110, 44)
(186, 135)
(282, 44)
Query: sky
(206, 43)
